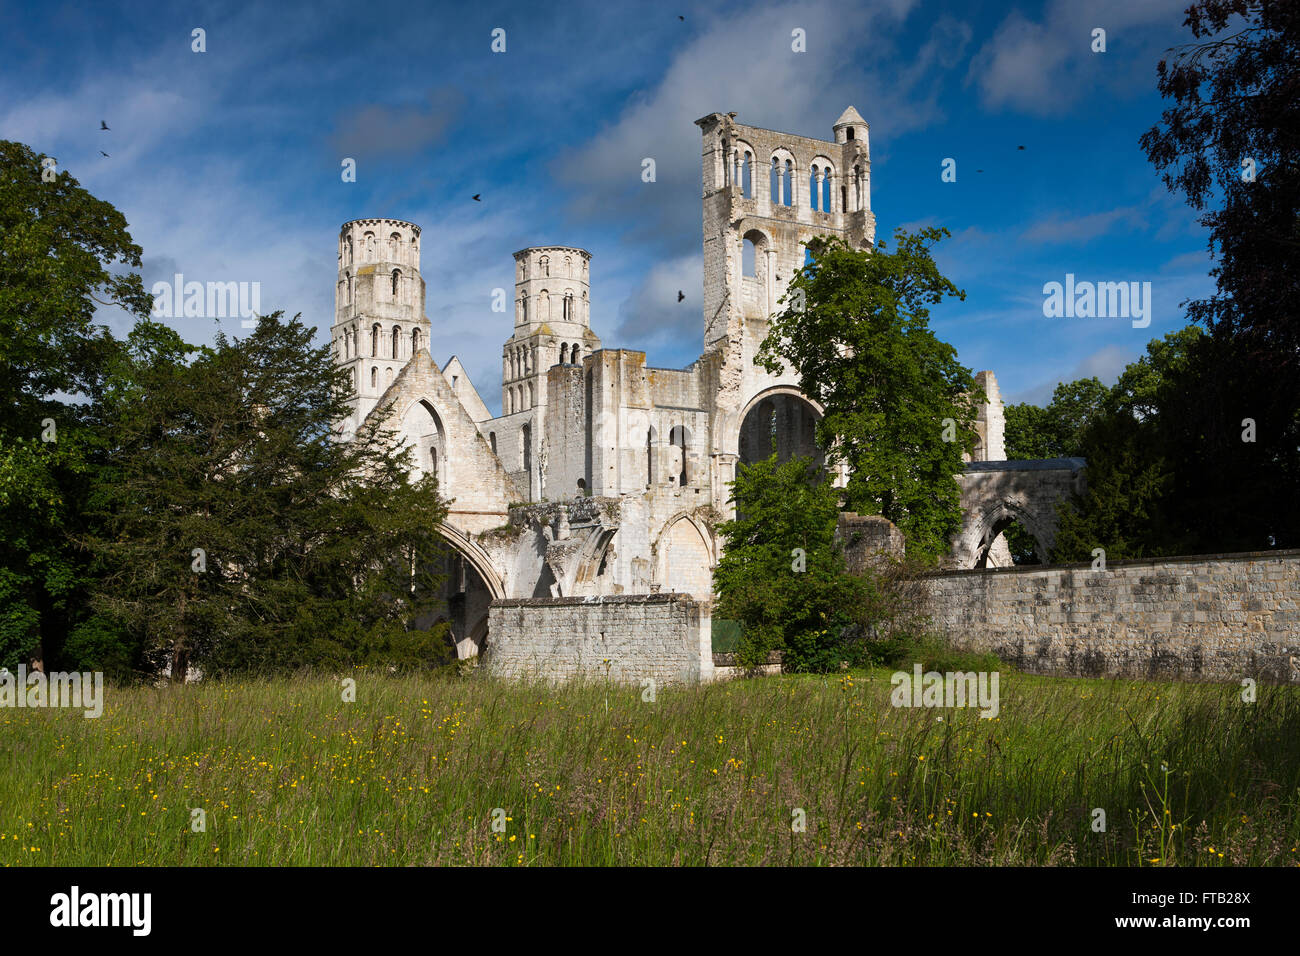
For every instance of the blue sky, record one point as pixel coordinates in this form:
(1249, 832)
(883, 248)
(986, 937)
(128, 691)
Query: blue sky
(227, 163)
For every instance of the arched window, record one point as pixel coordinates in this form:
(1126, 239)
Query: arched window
(374, 377)
(814, 187)
(749, 258)
(523, 307)
(789, 183)
(347, 244)
(532, 397)
(415, 341)
(374, 339)
(543, 306)
(492, 441)
(370, 246)
(826, 189)
(564, 353)
(395, 246)
(397, 275)
(545, 263)
(568, 267)
(573, 353)
(582, 486)
(680, 437)
(388, 377)
(848, 133)
(774, 182)
(397, 338)
(351, 301)
(747, 183)
(526, 447)
(568, 305)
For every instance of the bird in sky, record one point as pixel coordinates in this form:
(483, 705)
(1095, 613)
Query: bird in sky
(103, 125)
(104, 154)
(680, 295)
(476, 197)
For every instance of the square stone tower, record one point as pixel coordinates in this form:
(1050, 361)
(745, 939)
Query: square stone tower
(767, 193)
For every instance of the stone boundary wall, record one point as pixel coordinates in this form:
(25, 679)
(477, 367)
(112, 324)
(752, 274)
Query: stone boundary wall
(666, 637)
(1207, 617)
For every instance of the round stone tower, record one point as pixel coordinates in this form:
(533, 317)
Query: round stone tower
(552, 322)
(379, 320)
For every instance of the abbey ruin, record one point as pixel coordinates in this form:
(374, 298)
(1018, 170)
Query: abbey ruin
(597, 490)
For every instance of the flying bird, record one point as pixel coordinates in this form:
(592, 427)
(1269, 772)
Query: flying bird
(104, 154)
(476, 195)
(1019, 147)
(103, 125)
(680, 295)
(683, 19)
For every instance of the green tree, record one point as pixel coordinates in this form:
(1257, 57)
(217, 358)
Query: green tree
(1229, 141)
(62, 253)
(238, 533)
(782, 575)
(856, 331)
(1055, 431)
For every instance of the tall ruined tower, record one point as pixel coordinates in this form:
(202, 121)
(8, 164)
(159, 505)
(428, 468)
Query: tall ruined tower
(379, 320)
(765, 195)
(552, 327)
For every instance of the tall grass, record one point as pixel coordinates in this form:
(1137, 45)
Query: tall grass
(411, 773)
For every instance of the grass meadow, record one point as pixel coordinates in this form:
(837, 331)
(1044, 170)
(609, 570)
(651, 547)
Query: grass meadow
(287, 773)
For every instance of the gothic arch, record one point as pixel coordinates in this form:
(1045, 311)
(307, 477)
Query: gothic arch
(684, 557)
(423, 428)
(983, 526)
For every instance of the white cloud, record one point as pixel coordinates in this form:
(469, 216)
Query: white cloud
(1042, 67)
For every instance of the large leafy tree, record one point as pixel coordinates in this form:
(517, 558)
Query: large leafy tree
(62, 253)
(782, 575)
(237, 531)
(1230, 143)
(899, 407)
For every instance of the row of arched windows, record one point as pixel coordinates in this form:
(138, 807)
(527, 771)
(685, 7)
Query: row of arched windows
(564, 269)
(395, 286)
(546, 307)
(519, 398)
(387, 343)
(569, 354)
(738, 170)
(394, 250)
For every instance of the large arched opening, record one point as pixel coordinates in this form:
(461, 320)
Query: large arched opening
(469, 586)
(783, 422)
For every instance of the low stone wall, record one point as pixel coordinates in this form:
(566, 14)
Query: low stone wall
(1210, 617)
(666, 637)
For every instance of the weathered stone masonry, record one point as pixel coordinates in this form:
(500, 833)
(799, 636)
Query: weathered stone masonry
(665, 637)
(1218, 617)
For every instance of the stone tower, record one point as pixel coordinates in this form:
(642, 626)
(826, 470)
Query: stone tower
(379, 320)
(773, 192)
(552, 327)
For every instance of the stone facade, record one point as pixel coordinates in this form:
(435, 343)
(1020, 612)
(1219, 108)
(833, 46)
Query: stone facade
(628, 638)
(604, 476)
(1219, 617)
